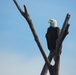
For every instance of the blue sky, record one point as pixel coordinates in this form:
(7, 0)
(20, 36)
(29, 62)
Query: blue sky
(19, 54)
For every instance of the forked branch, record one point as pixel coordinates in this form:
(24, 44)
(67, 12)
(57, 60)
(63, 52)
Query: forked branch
(27, 17)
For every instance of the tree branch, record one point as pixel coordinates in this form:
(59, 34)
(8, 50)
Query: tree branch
(27, 17)
(63, 33)
(18, 6)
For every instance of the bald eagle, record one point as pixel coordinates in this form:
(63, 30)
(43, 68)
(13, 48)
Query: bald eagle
(52, 34)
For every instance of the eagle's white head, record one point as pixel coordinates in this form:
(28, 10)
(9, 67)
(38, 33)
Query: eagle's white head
(53, 22)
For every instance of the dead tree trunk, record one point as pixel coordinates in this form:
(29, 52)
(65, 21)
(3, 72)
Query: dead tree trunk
(59, 42)
(63, 33)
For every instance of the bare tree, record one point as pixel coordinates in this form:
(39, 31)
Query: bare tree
(64, 32)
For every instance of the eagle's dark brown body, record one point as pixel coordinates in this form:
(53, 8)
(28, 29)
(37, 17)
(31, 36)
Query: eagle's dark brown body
(51, 37)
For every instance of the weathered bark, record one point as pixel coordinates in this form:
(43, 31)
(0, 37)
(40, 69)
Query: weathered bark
(53, 70)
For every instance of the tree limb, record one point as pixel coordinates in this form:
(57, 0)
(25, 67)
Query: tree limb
(63, 33)
(27, 17)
